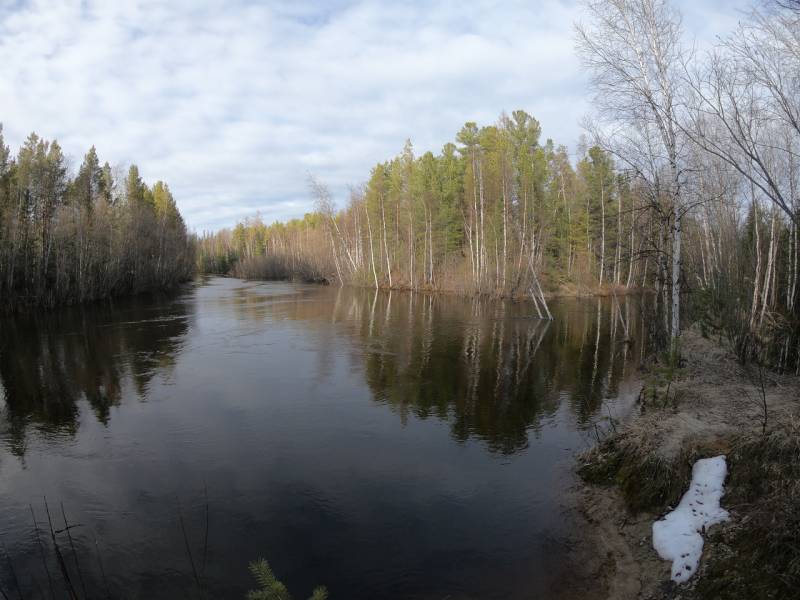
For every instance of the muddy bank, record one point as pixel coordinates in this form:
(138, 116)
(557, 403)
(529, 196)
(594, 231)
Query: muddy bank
(711, 405)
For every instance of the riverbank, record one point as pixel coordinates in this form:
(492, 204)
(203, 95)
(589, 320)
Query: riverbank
(709, 406)
(270, 272)
(35, 305)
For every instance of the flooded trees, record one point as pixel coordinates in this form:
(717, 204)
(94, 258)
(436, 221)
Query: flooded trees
(689, 188)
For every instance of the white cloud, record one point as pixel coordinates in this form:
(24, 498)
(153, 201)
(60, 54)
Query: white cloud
(234, 103)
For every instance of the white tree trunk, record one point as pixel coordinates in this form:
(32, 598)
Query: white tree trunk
(371, 248)
(602, 233)
(386, 244)
(675, 328)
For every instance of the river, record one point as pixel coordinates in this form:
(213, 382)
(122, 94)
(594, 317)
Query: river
(385, 445)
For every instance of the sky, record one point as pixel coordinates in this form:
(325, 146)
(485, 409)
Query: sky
(234, 103)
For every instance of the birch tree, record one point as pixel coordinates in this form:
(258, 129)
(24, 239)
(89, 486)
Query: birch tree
(745, 102)
(633, 51)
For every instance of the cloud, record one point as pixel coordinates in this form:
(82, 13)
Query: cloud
(234, 103)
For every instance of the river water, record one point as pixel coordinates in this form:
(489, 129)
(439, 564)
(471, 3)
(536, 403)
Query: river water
(386, 445)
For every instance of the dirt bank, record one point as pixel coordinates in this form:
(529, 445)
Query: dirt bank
(711, 405)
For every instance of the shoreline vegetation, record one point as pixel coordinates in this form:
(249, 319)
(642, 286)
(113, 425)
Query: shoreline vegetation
(497, 213)
(675, 194)
(711, 405)
(712, 138)
(99, 234)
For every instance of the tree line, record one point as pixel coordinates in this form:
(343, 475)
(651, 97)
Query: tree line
(100, 233)
(688, 188)
(496, 212)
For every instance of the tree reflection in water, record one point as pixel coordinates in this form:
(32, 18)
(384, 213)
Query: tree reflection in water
(51, 360)
(343, 415)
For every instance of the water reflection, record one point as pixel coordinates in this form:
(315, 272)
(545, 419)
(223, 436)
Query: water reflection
(490, 369)
(52, 360)
(322, 421)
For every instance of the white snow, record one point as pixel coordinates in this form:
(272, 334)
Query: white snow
(677, 537)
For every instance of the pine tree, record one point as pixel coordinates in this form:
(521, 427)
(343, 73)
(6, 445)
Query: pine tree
(272, 589)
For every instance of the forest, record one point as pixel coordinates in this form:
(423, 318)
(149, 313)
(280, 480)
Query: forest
(686, 187)
(100, 233)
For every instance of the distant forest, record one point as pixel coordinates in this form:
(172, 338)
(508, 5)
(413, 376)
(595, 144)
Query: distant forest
(489, 214)
(689, 189)
(67, 239)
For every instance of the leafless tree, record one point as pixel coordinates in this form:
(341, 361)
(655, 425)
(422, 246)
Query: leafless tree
(634, 53)
(745, 103)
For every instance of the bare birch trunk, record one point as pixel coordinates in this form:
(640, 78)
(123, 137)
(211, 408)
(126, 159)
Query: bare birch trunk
(768, 275)
(386, 244)
(602, 233)
(757, 278)
(371, 249)
(505, 235)
(675, 329)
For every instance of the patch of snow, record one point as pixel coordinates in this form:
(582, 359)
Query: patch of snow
(678, 536)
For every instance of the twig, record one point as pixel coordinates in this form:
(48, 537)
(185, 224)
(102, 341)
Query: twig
(763, 399)
(13, 571)
(41, 550)
(102, 570)
(205, 536)
(74, 553)
(188, 549)
(62, 565)
(611, 420)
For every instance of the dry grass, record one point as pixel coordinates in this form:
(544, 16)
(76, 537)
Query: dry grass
(712, 406)
(280, 267)
(759, 554)
(648, 479)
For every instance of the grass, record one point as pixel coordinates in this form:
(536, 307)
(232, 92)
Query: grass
(630, 459)
(648, 481)
(759, 554)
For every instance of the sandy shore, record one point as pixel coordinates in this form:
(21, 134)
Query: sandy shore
(710, 406)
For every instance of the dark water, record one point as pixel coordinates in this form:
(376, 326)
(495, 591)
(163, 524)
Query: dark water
(385, 445)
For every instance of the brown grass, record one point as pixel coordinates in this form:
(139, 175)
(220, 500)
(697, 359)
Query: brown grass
(759, 554)
(711, 406)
